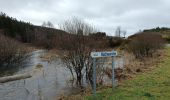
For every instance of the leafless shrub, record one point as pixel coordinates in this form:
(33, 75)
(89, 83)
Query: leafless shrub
(11, 51)
(100, 69)
(145, 44)
(78, 45)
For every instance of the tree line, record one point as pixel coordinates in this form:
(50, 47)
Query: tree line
(14, 28)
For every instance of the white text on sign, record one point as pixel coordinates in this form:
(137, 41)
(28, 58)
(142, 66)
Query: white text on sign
(103, 54)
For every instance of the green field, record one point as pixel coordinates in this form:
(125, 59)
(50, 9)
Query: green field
(152, 85)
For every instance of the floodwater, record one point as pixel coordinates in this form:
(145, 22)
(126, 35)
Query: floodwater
(49, 80)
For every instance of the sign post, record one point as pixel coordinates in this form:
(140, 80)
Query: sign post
(113, 73)
(95, 55)
(94, 76)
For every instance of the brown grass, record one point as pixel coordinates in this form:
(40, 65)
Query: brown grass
(132, 68)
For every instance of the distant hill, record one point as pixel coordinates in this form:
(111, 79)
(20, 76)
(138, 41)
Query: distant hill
(163, 30)
(24, 31)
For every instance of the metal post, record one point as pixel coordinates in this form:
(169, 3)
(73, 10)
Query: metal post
(94, 77)
(113, 75)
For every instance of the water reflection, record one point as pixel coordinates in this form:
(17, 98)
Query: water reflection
(47, 82)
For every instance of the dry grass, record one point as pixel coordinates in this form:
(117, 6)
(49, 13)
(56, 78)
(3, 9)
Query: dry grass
(150, 84)
(51, 55)
(132, 68)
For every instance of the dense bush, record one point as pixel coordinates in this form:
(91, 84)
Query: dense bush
(115, 41)
(11, 51)
(145, 44)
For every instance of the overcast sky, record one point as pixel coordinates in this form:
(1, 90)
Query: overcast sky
(106, 15)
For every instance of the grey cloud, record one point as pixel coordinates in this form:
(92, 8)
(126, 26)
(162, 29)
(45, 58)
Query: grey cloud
(132, 15)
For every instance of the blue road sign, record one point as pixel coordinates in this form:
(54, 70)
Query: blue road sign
(95, 55)
(103, 54)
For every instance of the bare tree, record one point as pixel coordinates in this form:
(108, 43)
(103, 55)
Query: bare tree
(78, 46)
(48, 24)
(44, 24)
(124, 34)
(118, 31)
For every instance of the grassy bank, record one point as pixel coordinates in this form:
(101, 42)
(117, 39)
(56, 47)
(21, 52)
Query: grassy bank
(152, 85)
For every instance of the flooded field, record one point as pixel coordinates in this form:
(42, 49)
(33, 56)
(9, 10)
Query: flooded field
(49, 80)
